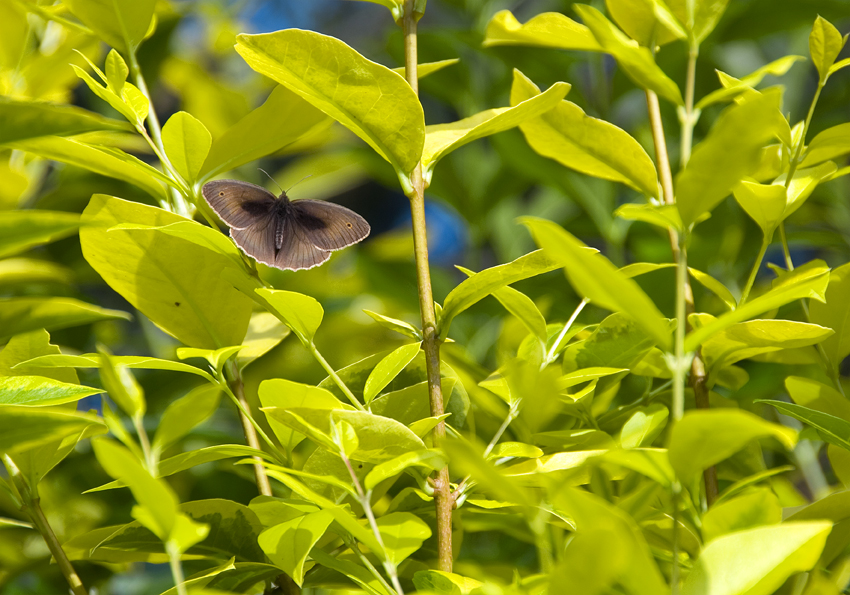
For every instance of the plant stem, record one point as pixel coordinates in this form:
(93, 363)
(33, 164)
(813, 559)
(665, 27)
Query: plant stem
(512, 413)
(150, 460)
(430, 344)
(33, 507)
(553, 352)
(688, 122)
(236, 389)
(792, 169)
(176, 569)
(389, 566)
(756, 266)
(337, 380)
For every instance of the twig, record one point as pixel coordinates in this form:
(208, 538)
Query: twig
(430, 344)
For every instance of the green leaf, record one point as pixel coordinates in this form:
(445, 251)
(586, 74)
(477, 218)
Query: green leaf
(739, 86)
(21, 315)
(233, 530)
(123, 24)
(216, 358)
(803, 184)
(23, 348)
(186, 296)
(23, 119)
(187, 143)
(838, 66)
(815, 395)
(153, 495)
(437, 581)
(430, 459)
(403, 534)
(594, 277)
(380, 438)
(92, 360)
(426, 68)
(467, 459)
(753, 509)
(644, 426)
(727, 567)
(126, 100)
(764, 203)
(288, 544)
(550, 29)
(370, 100)
(442, 139)
(23, 271)
(23, 428)
(116, 71)
(181, 416)
(646, 21)
(825, 43)
(107, 161)
(588, 145)
(283, 119)
(285, 394)
(352, 570)
(832, 429)
(617, 343)
(829, 144)
(729, 153)
(399, 326)
(121, 385)
(755, 337)
(521, 306)
(480, 285)
(637, 62)
(299, 312)
(807, 281)
(751, 480)
(664, 216)
(703, 438)
(698, 17)
(704, 279)
(265, 332)
(387, 369)
(397, 7)
(22, 230)
(39, 391)
(835, 314)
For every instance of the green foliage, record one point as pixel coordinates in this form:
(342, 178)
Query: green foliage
(655, 424)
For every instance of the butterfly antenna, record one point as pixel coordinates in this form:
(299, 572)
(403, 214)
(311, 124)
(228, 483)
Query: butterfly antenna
(271, 178)
(298, 182)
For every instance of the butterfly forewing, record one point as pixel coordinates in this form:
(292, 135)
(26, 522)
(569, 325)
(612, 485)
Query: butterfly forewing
(326, 225)
(239, 204)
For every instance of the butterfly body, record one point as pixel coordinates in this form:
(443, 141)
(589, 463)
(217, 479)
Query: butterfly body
(279, 232)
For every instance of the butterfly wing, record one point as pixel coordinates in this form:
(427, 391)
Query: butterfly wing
(257, 240)
(239, 204)
(326, 225)
(297, 251)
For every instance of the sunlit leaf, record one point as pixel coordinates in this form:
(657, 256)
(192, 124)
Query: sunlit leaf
(288, 544)
(661, 215)
(588, 145)
(595, 278)
(187, 143)
(698, 17)
(387, 369)
(482, 284)
(637, 62)
(644, 426)
(727, 567)
(550, 29)
(835, 314)
(442, 139)
(372, 101)
(426, 68)
(181, 416)
(399, 326)
(299, 312)
(754, 509)
(729, 153)
(825, 43)
(832, 429)
(807, 281)
(646, 21)
(185, 295)
(92, 360)
(705, 437)
(764, 203)
(775, 68)
(430, 459)
(403, 534)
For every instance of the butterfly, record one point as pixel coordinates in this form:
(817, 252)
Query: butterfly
(285, 234)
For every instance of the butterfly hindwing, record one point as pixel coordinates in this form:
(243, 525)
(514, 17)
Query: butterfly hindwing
(239, 204)
(326, 225)
(258, 240)
(296, 251)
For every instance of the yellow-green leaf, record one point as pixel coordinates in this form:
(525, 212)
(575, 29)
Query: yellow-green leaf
(825, 43)
(550, 29)
(187, 143)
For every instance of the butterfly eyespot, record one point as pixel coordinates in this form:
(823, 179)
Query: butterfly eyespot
(221, 193)
(348, 224)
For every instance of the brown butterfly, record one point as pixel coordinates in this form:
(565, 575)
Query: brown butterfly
(281, 233)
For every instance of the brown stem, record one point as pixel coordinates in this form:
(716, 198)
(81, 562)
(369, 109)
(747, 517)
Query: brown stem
(40, 521)
(431, 342)
(698, 379)
(238, 388)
